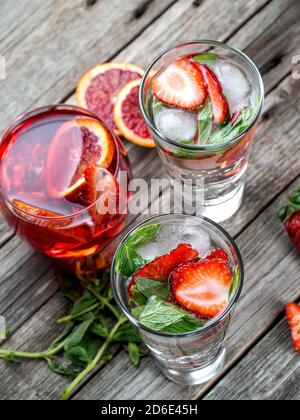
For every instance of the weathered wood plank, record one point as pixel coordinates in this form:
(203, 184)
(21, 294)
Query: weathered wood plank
(34, 380)
(270, 29)
(268, 257)
(14, 22)
(21, 267)
(271, 371)
(45, 59)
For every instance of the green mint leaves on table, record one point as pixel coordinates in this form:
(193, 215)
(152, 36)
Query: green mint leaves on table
(92, 326)
(128, 260)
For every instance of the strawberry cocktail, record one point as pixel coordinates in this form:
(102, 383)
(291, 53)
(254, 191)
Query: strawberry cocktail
(59, 178)
(201, 101)
(178, 278)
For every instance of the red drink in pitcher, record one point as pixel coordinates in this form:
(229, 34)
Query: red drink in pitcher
(60, 170)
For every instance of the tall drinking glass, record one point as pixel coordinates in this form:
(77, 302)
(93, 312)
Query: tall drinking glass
(220, 165)
(194, 357)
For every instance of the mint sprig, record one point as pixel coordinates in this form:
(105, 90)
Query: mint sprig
(128, 260)
(93, 323)
(230, 131)
(205, 123)
(150, 287)
(159, 315)
(206, 58)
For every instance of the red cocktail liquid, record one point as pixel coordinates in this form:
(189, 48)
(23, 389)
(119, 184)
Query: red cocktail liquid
(55, 165)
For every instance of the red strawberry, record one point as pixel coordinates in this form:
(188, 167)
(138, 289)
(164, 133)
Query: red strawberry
(293, 317)
(202, 287)
(293, 228)
(180, 84)
(290, 216)
(161, 268)
(218, 254)
(218, 102)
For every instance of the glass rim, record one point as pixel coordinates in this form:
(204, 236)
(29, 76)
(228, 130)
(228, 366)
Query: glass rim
(206, 147)
(25, 116)
(208, 326)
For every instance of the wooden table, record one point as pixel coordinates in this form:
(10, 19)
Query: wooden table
(47, 46)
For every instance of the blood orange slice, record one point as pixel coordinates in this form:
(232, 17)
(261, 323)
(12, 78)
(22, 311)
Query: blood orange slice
(128, 117)
(39, 216)
(103, 190)
(76, 146)
(98, 89)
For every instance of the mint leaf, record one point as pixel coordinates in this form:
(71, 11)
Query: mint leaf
(235, 283)
(186, 324)
(127, 333)
(143, 235)
(100, 327)
(206, 58)
(84, 303)
(138, 297)
(205, 123)
(228, 132)
(78, 333)
(128, 260)
(150, 287)
(158, 314)
(136, 312)
(134, 353)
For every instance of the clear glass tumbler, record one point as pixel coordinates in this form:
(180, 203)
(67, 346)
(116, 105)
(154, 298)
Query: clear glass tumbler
(195, 357)
(222, 167)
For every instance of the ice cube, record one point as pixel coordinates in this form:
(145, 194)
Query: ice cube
(172, 235)
(235, 85)
(149, 251)
(198, 238)
(176, 124)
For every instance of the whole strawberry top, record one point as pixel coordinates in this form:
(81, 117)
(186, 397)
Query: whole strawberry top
(202, 99)
(289, 214)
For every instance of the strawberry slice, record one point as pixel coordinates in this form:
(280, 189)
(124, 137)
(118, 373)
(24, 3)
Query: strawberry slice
(161, 268)
(218, 254)
(181, 84)
(219, 104)
(293, 317)
(202, 287)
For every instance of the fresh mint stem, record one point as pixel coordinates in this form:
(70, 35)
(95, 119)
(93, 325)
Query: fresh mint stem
(70, 318)
(47, 354)
(91, 366)
(105, 302)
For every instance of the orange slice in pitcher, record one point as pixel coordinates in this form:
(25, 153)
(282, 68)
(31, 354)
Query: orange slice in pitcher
(128, 117)
(76, 146)
(98, 89)
(103, 190)
(39, 216)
